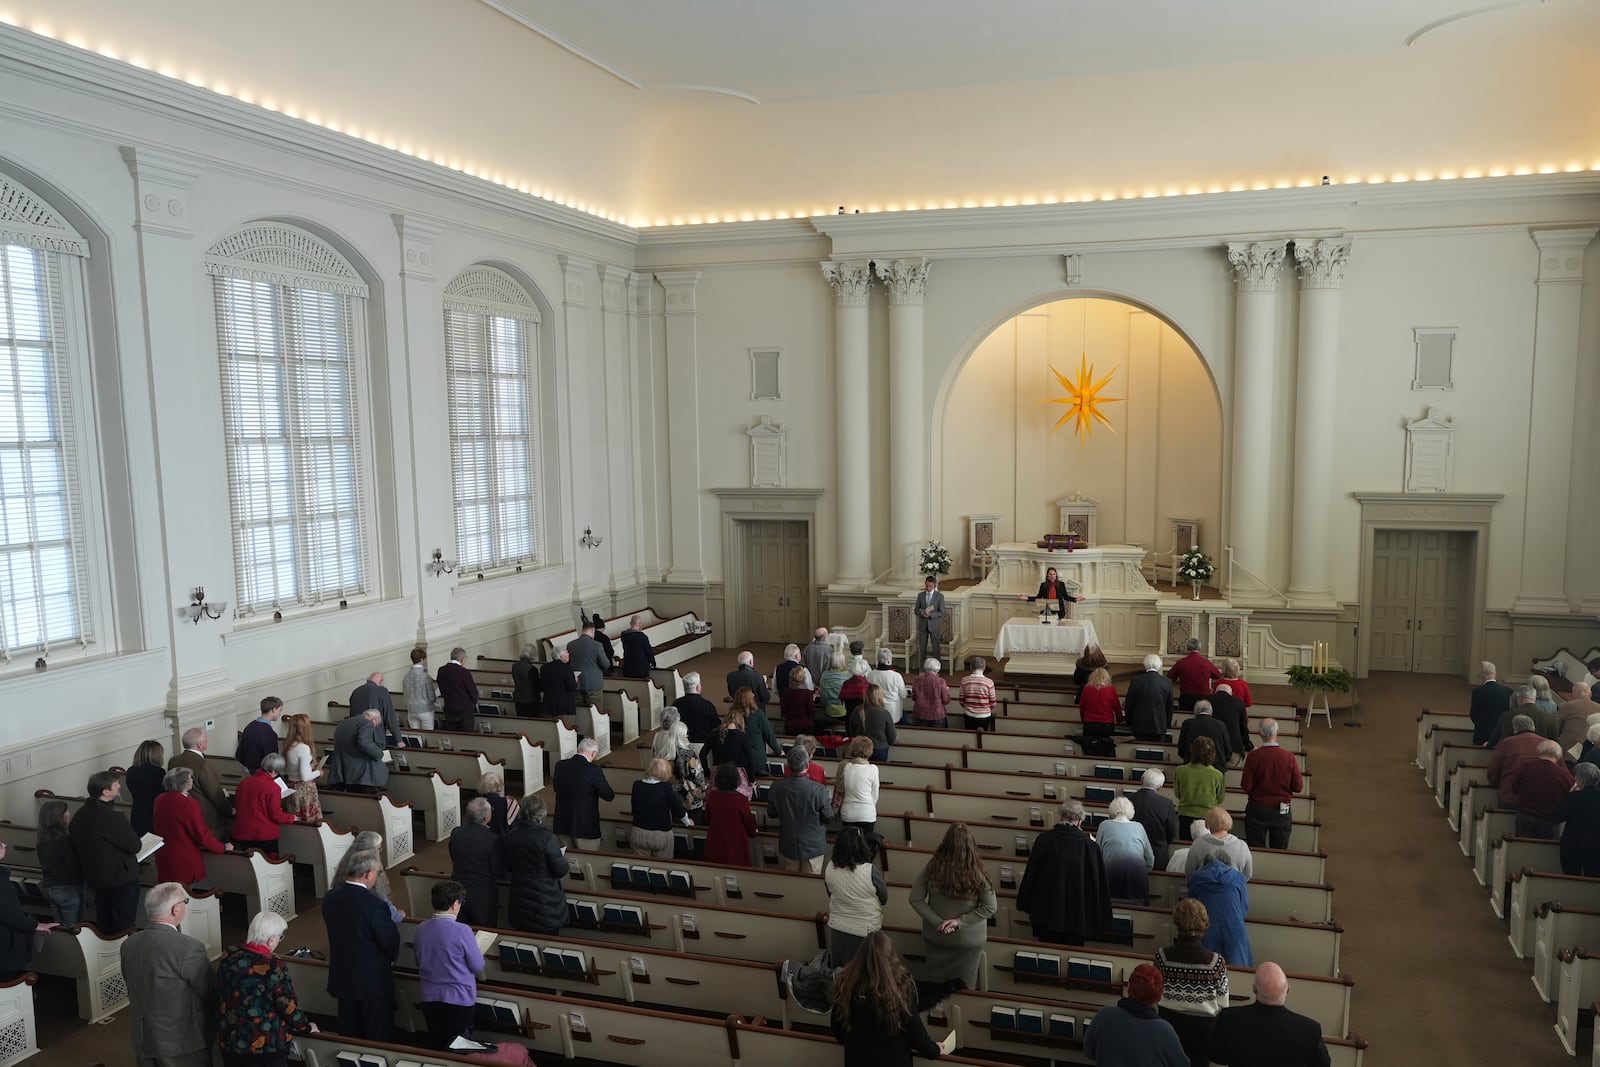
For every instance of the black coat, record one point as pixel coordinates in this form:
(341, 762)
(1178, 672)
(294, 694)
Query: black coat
(699, 716)
(363, 942)
(1266, 1035)
(560, 689)
(749, 677)
(106, 846)
(1159, 817)
(637, 654)
(1489, 701)
(144, 785)
(525, 683)
(1205, 726)
(477, 862)
(370, 696)
(1148, 705)
(1230, 711)
(536, 866)
(580, 787)
(16, 930)
(1064, 886)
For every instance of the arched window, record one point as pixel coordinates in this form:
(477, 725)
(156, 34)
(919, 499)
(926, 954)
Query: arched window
(44, 560)
(491, 344)
(290, 333)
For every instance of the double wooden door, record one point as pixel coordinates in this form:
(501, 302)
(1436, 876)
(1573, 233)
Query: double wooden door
(1421, 600)
(777, 577)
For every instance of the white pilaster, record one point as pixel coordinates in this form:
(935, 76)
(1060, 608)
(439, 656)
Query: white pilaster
(907, 282)
(853, 503)
(619, 447)
(1256, 267)
(588, 427)
(433, 502)
(184, 387)
(1321, 264)
(650, 469)
(1551, 422)
(683, 425)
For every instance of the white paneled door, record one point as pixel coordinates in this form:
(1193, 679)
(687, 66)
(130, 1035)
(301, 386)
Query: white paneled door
(1421, 593)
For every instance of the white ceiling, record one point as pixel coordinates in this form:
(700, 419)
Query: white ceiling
(775, 50)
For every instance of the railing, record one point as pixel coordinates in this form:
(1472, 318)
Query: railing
(1235, 565)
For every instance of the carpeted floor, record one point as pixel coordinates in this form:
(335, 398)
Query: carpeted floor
(1435, 979)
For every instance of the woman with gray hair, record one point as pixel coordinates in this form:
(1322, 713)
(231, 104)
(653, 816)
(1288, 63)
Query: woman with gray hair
(258, 808)
(1544, 697)
(178, 822)
(671, 743)
(260, 1014)
(1125, 847)
(368, 842)
(893, 684)
(525, 691)
(1580, 810)
(930, 696)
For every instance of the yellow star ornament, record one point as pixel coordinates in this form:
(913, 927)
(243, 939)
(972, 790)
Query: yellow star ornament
(1083, 399)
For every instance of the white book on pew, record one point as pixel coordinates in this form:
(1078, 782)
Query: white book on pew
(948, 1045)
(284, 788)
(485, 940)
(148, 845)
(466, 1044)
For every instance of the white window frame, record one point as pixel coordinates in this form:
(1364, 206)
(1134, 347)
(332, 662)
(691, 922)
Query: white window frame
(484, 293)
(288, 257)
(28, 220)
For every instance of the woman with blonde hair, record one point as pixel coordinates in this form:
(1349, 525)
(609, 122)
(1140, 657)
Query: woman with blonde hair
(1100, 707)
(656, 810)
(955, 899)
(502, 809)
(299, 770)
(828, 689)
(1194, 981)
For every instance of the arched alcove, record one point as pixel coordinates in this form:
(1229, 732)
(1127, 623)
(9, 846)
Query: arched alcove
(1158, 455)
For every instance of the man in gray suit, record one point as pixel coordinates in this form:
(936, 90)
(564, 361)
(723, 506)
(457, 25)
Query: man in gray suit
(930, 619)
(588, 657)
(357, 763)
(172, 988)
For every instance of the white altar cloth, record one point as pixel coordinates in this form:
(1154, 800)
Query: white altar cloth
(1062, 638)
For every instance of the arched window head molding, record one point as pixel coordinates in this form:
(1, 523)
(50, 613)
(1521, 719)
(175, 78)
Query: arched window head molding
(481, 287)
(282, 254)
(26, 219)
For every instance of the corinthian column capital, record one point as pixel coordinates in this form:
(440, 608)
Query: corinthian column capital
(907, 280)
(850, 280)
(1322, 262)
(1256, 264)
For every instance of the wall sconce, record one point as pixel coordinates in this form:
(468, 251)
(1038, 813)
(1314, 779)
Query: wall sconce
(198, 606)
(589, 540)
(440, 565)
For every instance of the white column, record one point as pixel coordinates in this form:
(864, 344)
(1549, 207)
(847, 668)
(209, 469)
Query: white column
(1551, 421)
(1256, 266)
(853, 502)
(683, 425)
(907, 281)
(185, 389)
(423, 347)
(617, 400)
(1322, 266)
(649, 459)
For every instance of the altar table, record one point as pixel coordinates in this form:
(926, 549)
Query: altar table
(1034, 648)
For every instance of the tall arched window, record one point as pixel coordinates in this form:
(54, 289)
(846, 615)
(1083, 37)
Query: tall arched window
(291, 339)
(44, 564)
(491, 361)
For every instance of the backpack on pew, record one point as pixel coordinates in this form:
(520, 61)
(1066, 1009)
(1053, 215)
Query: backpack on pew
(1104, 747)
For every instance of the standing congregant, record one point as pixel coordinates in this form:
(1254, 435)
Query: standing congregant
(363, 942)
(1064, 888)
(459, 692)
(930, 618)
(172, 991)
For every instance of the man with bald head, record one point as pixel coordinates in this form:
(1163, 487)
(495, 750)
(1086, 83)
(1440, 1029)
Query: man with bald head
(1266, 1033)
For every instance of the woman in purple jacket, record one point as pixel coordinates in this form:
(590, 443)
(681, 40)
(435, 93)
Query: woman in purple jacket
(448, 962)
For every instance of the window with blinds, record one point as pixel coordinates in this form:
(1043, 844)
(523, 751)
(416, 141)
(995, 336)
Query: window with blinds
(43, 565)
(289, 350)
(491, 346)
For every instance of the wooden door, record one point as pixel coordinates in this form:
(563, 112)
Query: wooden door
(1393, 595)
(777, 573)
(797, 620)
(1421, 595)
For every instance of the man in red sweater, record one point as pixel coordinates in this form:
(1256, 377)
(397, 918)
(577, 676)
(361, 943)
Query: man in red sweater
(1538, 786)
(1271, 776)
(1194, 674)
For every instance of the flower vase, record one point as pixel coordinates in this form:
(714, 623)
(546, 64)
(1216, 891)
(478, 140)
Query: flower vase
(1196, 587)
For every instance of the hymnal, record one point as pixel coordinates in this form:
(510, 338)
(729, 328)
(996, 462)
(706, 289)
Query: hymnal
(587, 911)
(1063, 1026)
(1098, 793)
(1077, 967)
(1003, 1018)
(1101, 770)
(1030, 1021)
(529, 956)
(148, 845)
(1049, 965)
(658, 880)
(1154, 755)
(619, 874)
(680, 880)
(1025, 963)
(484, 938)
(1121, 922)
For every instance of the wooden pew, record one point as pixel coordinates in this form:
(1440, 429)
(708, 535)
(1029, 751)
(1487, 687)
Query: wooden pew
(203, 921)
(1531, 890)
(1463, 777)
(1438, 737)
(1577, 985)
(1043, 720)
(1490, 827)
(266, 884)
(1449, 755)
(650, 695)
(1027, 764)
(676, 639)
(373, 811)
(318, 845)
(519, 746)
(1558, 927)
(1476, 798)
(93, 961)
(1512, 855)
(19, 1037)
(1057, 746)
(1426, 720)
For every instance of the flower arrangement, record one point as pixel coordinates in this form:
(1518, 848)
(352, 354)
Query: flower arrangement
(1195, 566)
(935, 559)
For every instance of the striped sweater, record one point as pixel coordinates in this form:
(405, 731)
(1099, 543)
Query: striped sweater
(1195, 980)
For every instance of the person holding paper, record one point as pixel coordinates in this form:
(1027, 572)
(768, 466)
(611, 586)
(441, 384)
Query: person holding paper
(182, 830)
(108, 852)
(448, 962)
(301, 769)
(875, 1009)
(258, 808)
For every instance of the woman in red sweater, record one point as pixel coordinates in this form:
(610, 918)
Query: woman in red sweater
(258, 808)
(731, 820)
(182, 829)
(1101, 707)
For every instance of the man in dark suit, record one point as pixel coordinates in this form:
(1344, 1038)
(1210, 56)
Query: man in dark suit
(745, 676)
(560, 687)
(637, 654)
(580, 787)
(1157, 814)
(1230, 711)
(363, 942)
(459, 692)
(930, 620)
(356, 765)
(172, 987)
(1149, 702)
(699, 715)
(1064, 888)
(372, 695)
(207, 786)
(1489, 701)
(107, 850)
(1203, 723)
(477, 861)
(1267, 1034)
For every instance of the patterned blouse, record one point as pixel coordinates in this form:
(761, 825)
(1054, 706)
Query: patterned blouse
(260, 1013)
